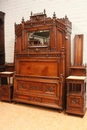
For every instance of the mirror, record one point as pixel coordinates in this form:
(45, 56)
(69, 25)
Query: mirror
(39, 38)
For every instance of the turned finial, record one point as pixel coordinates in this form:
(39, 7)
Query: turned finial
(22, 19)
(31, 13)
(54, 15)
(44, 11)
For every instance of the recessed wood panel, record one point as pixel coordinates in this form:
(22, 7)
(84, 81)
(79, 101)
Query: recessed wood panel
(78, 50)
(59, 40)
(39, 68)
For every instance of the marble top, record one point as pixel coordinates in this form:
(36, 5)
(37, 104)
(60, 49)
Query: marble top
(77, 77)
(6, 72)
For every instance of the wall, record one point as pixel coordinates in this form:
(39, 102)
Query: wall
(16, 9)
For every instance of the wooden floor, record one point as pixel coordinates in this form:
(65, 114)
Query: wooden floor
(27, 117)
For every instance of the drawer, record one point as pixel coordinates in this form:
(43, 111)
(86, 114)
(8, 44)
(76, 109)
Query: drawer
(75, 110)
(43, 101)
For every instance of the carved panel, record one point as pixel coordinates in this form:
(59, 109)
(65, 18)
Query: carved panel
(35, 87)
(78, 50)
(22, 86)
(4, 91)
(27, 67)
(75, 101)
(50, 88)
(35, 99)
(38, 16)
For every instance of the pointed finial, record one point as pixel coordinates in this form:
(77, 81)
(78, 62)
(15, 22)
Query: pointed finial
(44, 11)
(54, 15)
(22, 19)
(65, 16)
(31, 13)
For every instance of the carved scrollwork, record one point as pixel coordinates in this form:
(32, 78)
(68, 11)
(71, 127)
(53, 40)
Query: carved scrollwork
(50, 89)
(61, 78)
(23, 86)
(38, 55)
(38, 16)
(75, 101)
(38, 88)
(35, 99)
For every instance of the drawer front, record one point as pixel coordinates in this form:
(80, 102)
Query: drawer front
(27, 87)
(76, 110)
(43, 101)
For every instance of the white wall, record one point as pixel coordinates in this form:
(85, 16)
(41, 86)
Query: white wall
(75, 10)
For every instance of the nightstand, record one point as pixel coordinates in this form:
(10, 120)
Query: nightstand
(6, 86)
(76, 95)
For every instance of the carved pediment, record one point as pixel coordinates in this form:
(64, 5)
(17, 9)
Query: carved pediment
(38, 16)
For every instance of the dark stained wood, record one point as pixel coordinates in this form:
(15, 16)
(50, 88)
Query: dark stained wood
(76, 85)
(6, 86)
(78, 70)
(9, 67)
(76, 95)
(42, 65)
(2, 44)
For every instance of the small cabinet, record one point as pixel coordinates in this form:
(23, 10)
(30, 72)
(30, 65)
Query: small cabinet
(6, 86)
(76, 95)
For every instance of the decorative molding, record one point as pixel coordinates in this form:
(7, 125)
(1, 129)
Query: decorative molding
(75, 81)
(37, 88)
(35, 99)
(40, 55)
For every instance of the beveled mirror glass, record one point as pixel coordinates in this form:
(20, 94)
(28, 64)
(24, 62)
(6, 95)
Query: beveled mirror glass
(39, 38)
